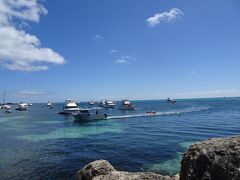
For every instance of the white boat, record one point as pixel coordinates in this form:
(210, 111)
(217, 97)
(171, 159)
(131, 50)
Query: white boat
(91, 103)
(22, 106)
(70, 107)
(5, 106)
(85, 115)
(169, 100)
(101, 103)
(109, 104)
(49, 103)
(126, 105)
(30, 104)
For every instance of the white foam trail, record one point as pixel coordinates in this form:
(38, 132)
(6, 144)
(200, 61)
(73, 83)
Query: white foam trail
(188, 110)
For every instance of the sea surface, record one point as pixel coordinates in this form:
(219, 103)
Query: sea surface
(41, 144)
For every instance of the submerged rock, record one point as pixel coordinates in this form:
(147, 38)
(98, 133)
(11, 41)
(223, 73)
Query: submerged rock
(214, 159)
(103, 170)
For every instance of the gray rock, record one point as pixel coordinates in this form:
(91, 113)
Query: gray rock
(102, 170)
(93, 169)
(214, 159)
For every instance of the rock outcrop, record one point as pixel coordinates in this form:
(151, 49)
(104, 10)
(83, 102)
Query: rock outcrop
(102, 170)
(214, 159)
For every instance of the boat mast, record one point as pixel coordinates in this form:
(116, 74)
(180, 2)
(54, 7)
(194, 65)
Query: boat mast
(4, 96)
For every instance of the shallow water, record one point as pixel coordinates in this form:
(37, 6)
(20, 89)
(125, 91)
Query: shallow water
(40, 144)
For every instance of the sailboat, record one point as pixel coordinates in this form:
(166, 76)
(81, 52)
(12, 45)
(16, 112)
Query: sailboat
(5, 106)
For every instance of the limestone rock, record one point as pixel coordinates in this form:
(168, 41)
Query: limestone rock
(214, 159)
(102, 170)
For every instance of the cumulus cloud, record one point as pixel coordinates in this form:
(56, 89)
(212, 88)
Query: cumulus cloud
(169, 16)
(97, 37)
(20, 50)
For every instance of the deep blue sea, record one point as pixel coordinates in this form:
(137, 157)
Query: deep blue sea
(41, 144)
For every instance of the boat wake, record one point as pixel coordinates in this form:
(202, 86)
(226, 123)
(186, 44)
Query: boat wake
(188, 110)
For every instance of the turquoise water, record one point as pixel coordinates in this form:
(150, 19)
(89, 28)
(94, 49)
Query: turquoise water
(40, 144)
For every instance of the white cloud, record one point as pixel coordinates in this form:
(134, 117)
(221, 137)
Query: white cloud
(20, 50)
(121, 61)
(124, 59)
(97, 37)
(210, 93)
(26, 93)
(169, 16)
(113, 51)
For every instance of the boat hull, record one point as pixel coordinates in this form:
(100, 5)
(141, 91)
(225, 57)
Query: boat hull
(89, 117)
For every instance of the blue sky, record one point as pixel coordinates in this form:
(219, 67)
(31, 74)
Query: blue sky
(119, 49)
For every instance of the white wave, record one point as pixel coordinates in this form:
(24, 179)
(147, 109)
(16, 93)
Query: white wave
(187, 110)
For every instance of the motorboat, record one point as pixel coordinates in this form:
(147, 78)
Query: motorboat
(109, 104)
(49, 104)
(91, 103)
(101, 103)
(89, 115)
(30, 104)
(6, 107)
(126, 105)
(173, 101)
(151, 113)
(22, 106)
(70, 107)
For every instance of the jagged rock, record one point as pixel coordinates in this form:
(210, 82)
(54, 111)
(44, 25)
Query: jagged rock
(93, 169)
(214, 159)
(102, 170)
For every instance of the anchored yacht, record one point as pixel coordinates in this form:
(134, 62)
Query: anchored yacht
(22, 106)
(126, 105)
(70, 107)
(109, 104)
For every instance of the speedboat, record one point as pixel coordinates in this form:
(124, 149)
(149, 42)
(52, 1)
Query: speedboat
(151, 113)
(89, 115)
(70, 107)
(169, 100)
(126, 105)
(109, 104)
(22, 106)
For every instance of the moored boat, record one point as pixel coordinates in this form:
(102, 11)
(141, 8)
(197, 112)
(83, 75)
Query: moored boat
(169, 100)
(126, 105)
(91, 103)
(22, 106)
(70, 107)
(49, 104)
(109, 104)
(101, 103)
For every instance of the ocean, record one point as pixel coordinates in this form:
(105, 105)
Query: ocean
(41, 144)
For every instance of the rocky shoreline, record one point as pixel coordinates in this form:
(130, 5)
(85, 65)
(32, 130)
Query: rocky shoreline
(213, 159)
